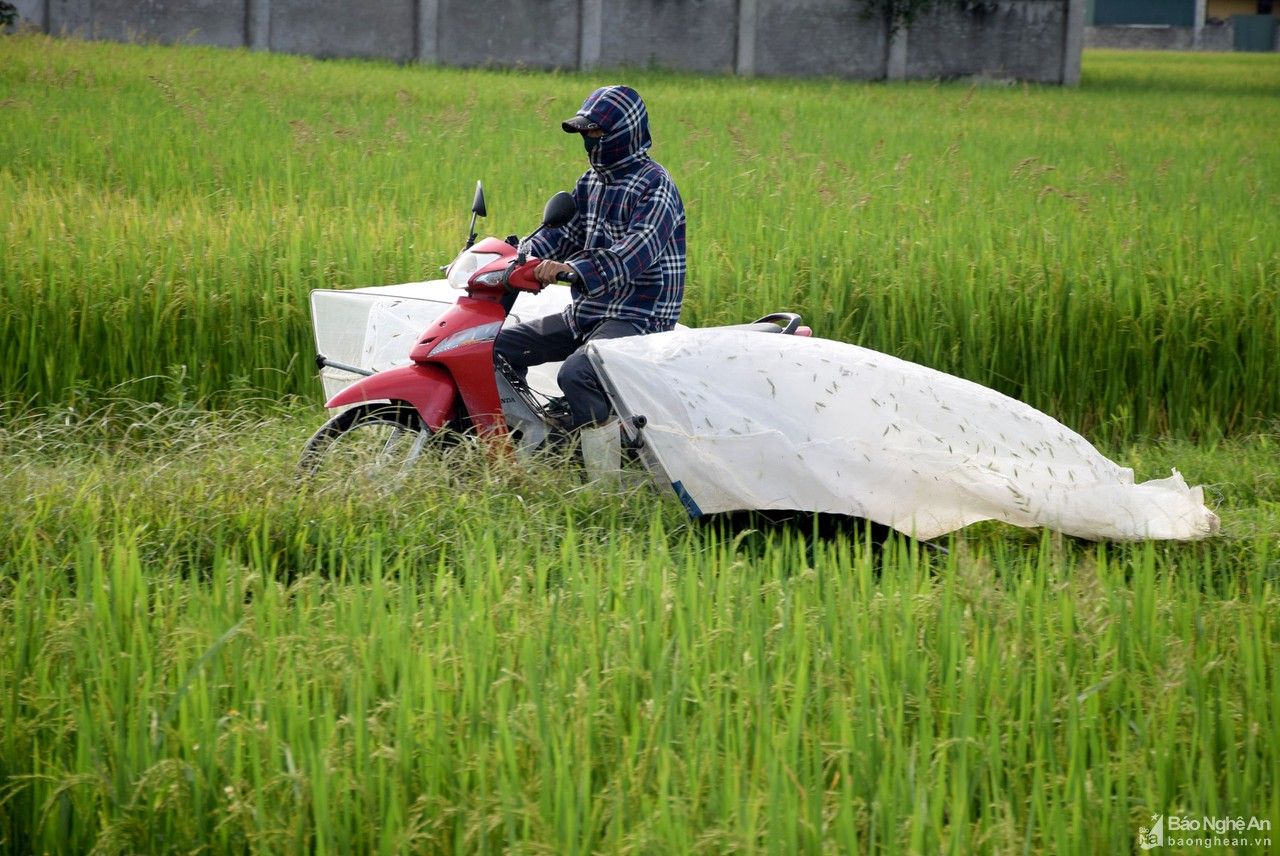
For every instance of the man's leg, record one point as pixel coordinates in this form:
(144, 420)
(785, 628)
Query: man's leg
(542, 340)
(588, 403)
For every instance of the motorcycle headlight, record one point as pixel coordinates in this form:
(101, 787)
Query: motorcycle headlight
(483, 333)
(492, 278)
(465, 265)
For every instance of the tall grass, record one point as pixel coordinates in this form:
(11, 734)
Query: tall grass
(498, 660)
(1108, 254)
(198, 654)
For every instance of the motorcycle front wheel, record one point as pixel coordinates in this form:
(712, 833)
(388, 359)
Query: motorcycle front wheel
(368, 443)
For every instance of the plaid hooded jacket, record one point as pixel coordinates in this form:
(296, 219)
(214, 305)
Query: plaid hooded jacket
(627, 240)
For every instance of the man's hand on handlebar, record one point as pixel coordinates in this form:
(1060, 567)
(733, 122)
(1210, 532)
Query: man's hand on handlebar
(548, 272)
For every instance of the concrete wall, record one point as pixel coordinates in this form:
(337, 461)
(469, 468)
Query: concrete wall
(1037, 40)
(212, 22)
(327, 28)
(1016, 40)
(1219, 37)
(31, 12)
(530, 33)
(818, 37)
(698, 35)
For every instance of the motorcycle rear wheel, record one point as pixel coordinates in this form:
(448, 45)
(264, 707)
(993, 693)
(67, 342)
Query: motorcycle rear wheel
(367, 443)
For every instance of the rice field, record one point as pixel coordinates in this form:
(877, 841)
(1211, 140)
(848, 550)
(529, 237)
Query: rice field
(1108, 255)
(199, 655)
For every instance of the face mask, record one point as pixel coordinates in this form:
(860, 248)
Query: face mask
(589, 143)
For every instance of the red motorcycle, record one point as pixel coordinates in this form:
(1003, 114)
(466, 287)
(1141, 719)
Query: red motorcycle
(451, 385)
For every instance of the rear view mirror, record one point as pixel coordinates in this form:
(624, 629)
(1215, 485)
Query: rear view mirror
(559, 211)
(477, 210)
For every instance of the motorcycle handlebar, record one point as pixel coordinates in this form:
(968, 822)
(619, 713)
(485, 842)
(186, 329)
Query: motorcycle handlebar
(519, 275)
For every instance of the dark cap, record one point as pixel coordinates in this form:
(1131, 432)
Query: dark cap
(578, 125)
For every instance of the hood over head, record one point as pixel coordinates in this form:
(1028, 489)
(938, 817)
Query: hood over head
(619, 111)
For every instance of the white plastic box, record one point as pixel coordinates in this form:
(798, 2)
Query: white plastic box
(375, 328)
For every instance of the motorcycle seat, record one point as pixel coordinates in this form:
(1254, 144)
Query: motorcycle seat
(756, 327)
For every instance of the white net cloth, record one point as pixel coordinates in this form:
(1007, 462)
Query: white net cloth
(742, 420)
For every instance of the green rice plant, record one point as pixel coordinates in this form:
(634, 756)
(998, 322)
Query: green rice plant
(1103, 253)
(499, 659)
(198, 654)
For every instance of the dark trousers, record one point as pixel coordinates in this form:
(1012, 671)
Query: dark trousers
(548, 339)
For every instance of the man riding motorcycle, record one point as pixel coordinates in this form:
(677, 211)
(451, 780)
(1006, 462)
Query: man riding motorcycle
(625, 246)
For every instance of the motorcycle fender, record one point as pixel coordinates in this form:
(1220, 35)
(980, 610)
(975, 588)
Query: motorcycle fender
(430, 389)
